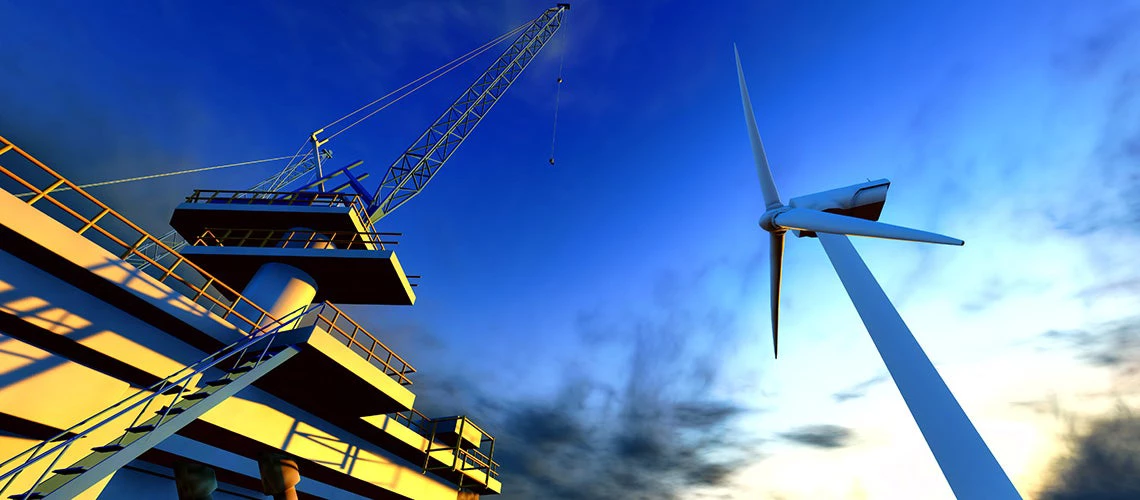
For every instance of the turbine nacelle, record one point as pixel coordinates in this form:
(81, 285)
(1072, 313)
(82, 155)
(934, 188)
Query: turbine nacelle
(864, 201)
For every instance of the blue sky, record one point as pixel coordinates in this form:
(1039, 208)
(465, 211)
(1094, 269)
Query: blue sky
(612, 308)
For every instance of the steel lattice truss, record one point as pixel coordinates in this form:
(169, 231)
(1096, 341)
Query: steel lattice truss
(415, 168)
(278, 181)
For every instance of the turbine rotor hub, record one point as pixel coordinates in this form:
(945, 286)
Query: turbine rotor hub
(768, 220)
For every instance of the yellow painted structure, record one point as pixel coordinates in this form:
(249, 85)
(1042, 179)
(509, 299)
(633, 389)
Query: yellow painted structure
(81, 329)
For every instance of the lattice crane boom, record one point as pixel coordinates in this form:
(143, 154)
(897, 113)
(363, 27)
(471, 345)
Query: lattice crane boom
(413, 169)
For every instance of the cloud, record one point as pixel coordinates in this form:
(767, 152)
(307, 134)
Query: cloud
(1114, 345)
(858, 390)
(1111, 288)
(820, 436)
(1109, 197)
(1103, 462)
(646, 423)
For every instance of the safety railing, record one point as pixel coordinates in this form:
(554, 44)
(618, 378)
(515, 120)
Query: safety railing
(289, 238)
(464, 458)
(115, 233)
(414, 420)
(480, 458)
(284, 198)
(337, 323)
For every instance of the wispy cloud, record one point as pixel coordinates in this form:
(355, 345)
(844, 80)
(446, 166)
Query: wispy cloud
(820, 436)
(1115, 345)
(858, 390)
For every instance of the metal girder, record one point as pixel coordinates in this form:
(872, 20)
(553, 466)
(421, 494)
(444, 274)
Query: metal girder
(286, 176)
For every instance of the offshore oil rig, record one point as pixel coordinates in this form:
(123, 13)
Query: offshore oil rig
(212, 362)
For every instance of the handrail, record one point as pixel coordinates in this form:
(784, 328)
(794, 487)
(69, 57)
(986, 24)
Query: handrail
(286, 198)
(424, 426)
(313, 198)
(391, 363)
(474, 453)
(176, 271)
(408, 418)
(263, 238)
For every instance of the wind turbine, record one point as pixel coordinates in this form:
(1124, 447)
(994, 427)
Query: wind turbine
(966, 462)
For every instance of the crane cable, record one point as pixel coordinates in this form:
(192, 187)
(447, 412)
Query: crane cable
(557, 96)
(454, 63)
(167, 174)
(554, 129)
(446, 68)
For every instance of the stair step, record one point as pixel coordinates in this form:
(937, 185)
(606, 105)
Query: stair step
(173, 411)
(107, 448)
(241, 369)
(141, 428)
(197, 395)
(71, 470)
(172, 390)
(218, 382)
(31, 495)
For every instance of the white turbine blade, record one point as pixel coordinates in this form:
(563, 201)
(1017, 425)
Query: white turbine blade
(804, 219)
(767, 185)
(966, 462)
(776, 246)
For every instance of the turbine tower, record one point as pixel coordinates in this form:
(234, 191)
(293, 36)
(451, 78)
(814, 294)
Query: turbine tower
(966, 462)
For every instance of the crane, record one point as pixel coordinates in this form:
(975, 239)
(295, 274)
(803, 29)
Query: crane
(412, 170)
(415, 167)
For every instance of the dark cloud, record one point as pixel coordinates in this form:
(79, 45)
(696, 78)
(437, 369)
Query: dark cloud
(820, 436)
(1103, 462)
(641, 425)
(858, 390)
(551, 451)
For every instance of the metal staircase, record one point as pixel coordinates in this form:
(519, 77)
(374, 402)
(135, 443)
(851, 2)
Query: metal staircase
(232, 368)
